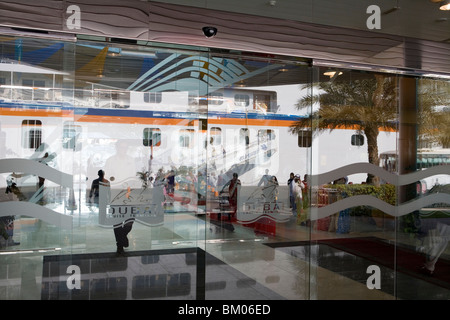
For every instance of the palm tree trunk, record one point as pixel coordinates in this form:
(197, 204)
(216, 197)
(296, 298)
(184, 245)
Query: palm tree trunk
(371, 133)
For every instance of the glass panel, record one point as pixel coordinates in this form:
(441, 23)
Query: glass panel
(251, 153)
(354, 119)
(37, 172)
(343, 176)
(116, 127)
(425, 228)
(142, 129)
(370, 229)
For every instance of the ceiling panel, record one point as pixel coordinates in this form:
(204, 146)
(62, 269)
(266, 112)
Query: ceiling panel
(414, 18)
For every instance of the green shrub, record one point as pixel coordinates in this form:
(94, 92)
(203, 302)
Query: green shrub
(384, 192)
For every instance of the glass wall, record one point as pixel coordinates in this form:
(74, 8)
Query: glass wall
(150, 172)
(374, 200)
(251, 156)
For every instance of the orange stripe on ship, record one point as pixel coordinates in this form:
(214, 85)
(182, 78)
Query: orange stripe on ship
(252, 122)
(131, 120)
(159, 121)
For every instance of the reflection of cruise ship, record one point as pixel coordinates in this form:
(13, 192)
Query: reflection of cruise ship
(247, 129)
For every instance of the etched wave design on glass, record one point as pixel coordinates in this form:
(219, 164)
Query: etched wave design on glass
(418, 203)
(30, 208)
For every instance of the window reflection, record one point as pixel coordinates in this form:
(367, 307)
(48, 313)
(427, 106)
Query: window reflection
(170, 129)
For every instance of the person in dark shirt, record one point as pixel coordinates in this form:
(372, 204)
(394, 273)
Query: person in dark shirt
(233, 192)
(95, 186)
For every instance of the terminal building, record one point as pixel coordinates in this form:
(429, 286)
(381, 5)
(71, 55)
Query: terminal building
(224, 150)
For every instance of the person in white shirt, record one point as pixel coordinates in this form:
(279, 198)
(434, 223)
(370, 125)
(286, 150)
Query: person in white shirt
(121, 167)
(296, 189)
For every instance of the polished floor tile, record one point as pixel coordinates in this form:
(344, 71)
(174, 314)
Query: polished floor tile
(161, 263)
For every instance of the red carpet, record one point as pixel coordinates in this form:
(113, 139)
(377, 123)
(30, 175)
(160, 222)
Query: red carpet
(380, 252)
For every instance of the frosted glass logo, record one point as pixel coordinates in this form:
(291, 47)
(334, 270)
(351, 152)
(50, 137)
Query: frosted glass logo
(74, 20)
(374, 280)
(374, 20)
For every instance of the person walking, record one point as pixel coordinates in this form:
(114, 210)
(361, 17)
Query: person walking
(234, 186)
(94, 194)
(291, 199)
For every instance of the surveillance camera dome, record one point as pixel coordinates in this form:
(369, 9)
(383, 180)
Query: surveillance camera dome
(209, 31)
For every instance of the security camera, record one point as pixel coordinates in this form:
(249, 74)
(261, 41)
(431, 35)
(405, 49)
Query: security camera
(209, 31)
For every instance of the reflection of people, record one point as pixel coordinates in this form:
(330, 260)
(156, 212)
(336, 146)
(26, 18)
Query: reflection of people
(121, 166)
(192, 187)
(95, 186)
(7, 222)
(270, 191)
(296, 187)
(274, 181)
(265, 179)
(7, 230)
(12, 193)
(233, 192)
(435, 244)
(212, 181)
(293, 190)
(305, 192)
(121, 232)
(291, 198)
(170, 182)
(42, 180)
(221, 179)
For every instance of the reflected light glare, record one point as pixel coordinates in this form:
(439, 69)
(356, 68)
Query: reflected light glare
(144, 54)
(445, 5)
(331, 73)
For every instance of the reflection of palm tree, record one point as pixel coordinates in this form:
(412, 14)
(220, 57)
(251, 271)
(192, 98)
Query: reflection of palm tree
(434, 115)
(367, 105)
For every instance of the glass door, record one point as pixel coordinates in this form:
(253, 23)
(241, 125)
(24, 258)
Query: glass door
(252, 151)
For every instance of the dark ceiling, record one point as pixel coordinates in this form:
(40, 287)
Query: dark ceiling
(420, 19)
